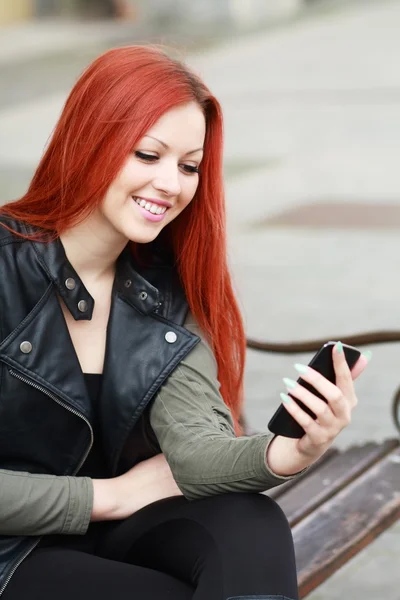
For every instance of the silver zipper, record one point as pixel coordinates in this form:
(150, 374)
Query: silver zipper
(17, 565)
(64, 405)
(73, 411)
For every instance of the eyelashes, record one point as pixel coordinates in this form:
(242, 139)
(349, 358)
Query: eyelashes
(147, 157)
(190, 169)
(150, 158)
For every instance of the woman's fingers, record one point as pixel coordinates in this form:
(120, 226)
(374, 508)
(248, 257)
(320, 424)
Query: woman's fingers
(341, 397)
(317, 433)
(360, 365)
(334, 395)
(344, 383)
(331, 416)
(319, 407)
(335, 413)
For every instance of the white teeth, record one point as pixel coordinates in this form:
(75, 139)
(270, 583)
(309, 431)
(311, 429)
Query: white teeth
(155, 209)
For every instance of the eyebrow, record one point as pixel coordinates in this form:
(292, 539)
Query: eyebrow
(168, 148)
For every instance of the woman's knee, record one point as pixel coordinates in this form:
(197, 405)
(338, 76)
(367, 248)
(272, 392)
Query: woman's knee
(250, 511)
(243, 504)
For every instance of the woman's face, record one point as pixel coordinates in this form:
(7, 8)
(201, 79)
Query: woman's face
(160, 176)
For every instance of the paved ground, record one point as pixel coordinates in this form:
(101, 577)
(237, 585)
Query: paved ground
(312, 144)
(316, 120)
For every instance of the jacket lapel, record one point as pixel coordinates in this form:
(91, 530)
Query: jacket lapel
(41, 349)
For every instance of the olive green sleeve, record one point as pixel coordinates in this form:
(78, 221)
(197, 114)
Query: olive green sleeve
(33, 504)
(195, 431)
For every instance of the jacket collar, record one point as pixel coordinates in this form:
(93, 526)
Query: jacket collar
(128, 283)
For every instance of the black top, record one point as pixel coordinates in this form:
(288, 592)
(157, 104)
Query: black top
(94, 465)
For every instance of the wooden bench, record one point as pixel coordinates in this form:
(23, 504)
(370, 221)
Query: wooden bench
(347, 498)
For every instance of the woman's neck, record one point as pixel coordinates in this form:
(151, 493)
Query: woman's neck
(92, 249)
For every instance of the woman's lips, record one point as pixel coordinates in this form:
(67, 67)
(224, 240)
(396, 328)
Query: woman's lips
(154, 218)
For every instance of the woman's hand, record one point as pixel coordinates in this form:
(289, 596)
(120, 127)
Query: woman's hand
(288, 456)
(146, 482)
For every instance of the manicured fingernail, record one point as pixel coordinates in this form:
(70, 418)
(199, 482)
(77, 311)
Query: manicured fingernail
(289, 382)
(285, 398)
(367, 354)
(301, 368)
(339, 347)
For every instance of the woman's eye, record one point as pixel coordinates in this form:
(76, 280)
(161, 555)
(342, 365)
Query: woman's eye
(144, 156)
(190, 169)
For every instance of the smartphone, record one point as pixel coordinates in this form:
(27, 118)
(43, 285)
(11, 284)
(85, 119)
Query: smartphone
(282, 423)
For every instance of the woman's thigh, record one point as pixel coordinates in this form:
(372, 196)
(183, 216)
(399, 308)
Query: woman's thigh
(226, 546)
(63, 574)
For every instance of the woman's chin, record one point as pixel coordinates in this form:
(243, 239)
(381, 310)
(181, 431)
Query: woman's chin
(140, 235)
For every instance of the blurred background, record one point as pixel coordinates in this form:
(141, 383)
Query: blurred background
(311, 97)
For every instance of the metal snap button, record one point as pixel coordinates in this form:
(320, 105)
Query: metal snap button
(171, 337)
(70, 283)
(143, 295)
(128, 283)
(82, 305)
(26, 347)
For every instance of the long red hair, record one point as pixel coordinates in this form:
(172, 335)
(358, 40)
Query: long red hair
(118, 98)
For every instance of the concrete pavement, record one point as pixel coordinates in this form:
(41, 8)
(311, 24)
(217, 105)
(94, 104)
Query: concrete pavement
(318, 106)
(312, 143)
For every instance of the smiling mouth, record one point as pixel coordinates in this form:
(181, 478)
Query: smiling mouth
(152, 207)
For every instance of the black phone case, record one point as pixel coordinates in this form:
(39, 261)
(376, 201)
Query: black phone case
(282, 423)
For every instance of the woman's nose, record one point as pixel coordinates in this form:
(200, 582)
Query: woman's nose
(167, 182)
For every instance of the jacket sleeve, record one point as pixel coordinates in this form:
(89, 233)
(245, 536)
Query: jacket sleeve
(194, 428)
(33, 504)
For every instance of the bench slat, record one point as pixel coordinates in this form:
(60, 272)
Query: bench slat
(347, 522)
(318, 486)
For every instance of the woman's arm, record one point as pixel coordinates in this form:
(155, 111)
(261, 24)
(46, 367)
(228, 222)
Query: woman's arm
(143, 484)
(195, 430)
(33, 504)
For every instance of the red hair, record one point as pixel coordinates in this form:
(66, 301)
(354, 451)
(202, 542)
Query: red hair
(119, 97)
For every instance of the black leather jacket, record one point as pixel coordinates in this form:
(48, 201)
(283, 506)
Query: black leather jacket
(45, 412)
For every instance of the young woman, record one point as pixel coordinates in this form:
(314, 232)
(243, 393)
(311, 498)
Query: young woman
(122, 356)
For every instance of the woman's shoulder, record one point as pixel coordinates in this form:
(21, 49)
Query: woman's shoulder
(15, 248)
(11, 230)
(201, 359)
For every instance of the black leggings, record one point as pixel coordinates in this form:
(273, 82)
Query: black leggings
(224, 547)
